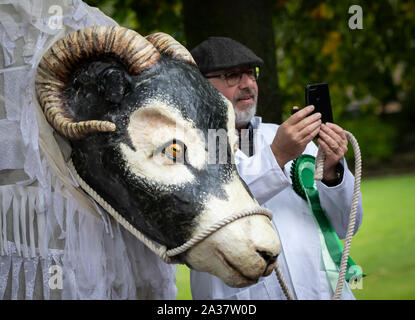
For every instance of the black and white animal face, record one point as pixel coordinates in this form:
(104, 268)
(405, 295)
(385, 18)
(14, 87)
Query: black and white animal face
(153, 163)
(156, 162)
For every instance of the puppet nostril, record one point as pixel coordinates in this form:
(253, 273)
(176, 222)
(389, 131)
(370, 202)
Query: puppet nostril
(267, 256)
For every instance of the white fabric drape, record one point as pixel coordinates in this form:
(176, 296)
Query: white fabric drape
(45, 220)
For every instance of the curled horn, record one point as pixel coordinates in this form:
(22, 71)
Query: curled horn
(167, 45)
(65, 56)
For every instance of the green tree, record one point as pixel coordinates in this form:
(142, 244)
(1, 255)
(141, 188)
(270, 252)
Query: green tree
(145, 16)
(191, 22)
(370, 71)
(249, 22)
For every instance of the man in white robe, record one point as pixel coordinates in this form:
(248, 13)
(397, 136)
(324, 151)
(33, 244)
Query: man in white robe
(264, 164)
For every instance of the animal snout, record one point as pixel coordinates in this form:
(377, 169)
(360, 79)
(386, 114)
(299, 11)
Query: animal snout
(268, 256)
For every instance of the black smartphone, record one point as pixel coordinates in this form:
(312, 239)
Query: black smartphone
(318, 95)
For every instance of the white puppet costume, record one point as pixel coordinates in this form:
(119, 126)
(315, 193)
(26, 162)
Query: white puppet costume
(55, 242)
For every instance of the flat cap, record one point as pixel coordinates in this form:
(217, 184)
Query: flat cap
(221, 53)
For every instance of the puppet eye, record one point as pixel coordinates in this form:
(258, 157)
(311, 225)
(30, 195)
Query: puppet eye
(175, 150)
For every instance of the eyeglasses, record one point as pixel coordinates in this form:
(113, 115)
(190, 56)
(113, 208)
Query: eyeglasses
(234, 78)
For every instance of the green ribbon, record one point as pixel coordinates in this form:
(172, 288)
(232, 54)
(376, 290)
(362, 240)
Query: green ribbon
(302, 176)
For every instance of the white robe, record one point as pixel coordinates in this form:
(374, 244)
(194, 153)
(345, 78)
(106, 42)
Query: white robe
(55, 243)
(301, 258)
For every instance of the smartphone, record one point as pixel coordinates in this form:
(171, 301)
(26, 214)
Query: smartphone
(317, 94)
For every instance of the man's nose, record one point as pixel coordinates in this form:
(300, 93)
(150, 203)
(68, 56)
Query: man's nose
(245, 81)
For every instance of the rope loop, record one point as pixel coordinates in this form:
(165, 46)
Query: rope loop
(216, 226)
(162, 253)
(161, 250)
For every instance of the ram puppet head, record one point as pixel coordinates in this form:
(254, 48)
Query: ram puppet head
(138, 112)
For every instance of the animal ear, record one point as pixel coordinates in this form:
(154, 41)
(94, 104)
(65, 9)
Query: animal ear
(66, 55)
(167, 45)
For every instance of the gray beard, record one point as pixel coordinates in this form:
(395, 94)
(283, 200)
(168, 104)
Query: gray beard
(242, 118)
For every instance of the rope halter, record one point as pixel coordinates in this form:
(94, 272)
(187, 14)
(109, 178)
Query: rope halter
(166, 255)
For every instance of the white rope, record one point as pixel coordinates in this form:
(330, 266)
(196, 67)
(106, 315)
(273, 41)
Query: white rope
(318, 175)
(282, 282)
(321, 157)
(352, 217)
(209, 230)
(160, 250)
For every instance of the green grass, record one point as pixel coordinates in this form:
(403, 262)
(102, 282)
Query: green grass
(384, 246)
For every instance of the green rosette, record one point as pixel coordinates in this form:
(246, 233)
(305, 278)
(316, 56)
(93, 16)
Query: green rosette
(302, 176)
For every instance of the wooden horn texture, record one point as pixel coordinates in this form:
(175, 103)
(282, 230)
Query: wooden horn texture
(167, 45)
(68, 53)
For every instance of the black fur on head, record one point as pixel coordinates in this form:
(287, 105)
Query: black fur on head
(105, 91)
(92, 86)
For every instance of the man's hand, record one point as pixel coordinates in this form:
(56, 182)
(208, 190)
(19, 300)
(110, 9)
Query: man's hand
(334, 143)
(294, 134)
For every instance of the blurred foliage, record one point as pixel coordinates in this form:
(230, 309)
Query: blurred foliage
(368, 70)
(375, 137)
(145, 16)
(315, 43)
